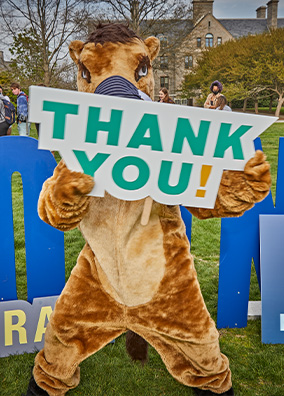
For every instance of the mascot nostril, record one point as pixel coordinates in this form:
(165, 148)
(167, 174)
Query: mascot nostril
(130, 276)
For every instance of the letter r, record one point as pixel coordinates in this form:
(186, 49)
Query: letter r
(10, 327)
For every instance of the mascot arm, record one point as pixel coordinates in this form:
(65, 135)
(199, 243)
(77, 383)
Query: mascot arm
(63, 201)
(238, 190)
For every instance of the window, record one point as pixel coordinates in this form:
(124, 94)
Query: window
(219, 40)
(164, 82)
(209, 24)
(209, 40)
(188, 61)
(163, 39)
(164, 62)
(184, 102)
(198, 42)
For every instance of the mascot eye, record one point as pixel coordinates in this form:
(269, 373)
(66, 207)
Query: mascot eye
(143, 67)
(85, 74)
(143, 71)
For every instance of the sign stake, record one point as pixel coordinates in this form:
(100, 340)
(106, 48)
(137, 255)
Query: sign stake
(146, 211)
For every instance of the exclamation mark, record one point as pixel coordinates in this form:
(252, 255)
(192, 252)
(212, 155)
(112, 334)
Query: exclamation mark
(205, 173)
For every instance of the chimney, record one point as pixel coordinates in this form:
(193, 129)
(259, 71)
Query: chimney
(272, 10)
(261, 12)
(201, 8)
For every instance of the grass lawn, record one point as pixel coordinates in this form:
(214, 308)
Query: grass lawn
(265, 110)
(257, 369)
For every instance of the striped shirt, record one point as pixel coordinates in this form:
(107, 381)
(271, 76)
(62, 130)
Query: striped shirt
(118, 86)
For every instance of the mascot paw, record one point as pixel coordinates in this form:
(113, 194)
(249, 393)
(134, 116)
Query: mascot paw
(257, 172)
(200, 392)
(71, 186)
(34, 389)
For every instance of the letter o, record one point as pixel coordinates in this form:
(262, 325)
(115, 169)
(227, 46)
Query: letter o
(141, 180)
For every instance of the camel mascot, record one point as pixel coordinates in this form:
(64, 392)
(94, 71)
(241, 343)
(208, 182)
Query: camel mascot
(131, 276)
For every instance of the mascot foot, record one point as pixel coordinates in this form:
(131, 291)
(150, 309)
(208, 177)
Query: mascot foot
(34, 389)
(200, 392)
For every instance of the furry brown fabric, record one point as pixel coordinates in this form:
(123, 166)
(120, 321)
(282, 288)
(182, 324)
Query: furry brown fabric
(111, 33)
(96, 62)
(129, 276)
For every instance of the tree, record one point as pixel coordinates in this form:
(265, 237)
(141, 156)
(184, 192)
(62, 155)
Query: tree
(27, 58)
(5, 81)
(269, 67)
(41, 30)
(143, 15)
(249, 67)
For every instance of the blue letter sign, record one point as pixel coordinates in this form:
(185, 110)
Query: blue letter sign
(272, 278)
(239, 245)
(44, 244)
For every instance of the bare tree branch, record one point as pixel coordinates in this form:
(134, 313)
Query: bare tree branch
(51, 23)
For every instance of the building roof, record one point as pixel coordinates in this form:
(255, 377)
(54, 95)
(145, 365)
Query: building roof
(244, 27)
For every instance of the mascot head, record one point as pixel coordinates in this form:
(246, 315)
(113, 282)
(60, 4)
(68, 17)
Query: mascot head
(115, 50)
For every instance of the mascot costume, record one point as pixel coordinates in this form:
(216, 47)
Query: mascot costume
(131, 276)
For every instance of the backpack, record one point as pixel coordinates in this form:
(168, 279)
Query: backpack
(10, 111)
(24, 94)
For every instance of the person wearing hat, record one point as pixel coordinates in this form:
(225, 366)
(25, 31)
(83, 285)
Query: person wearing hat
(216, 89)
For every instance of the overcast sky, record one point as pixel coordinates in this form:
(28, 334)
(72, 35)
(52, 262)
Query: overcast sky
(241, 8)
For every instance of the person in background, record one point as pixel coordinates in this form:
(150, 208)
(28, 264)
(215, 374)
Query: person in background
(4, 96)
(164, 96)
(216, 88)
(22, 110)
(5, 128)
(221, 104)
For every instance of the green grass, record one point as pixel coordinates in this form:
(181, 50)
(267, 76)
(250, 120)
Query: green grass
(266, 110)
(257, 369)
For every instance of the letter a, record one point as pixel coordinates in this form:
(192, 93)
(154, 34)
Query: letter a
(148, 122)
(45, 313)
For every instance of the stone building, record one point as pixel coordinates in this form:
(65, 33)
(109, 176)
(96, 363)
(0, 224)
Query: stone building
(204, 31)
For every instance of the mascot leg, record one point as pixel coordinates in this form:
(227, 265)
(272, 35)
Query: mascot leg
(191, 355)
(178, 325)
(85, 319)
(192, 364)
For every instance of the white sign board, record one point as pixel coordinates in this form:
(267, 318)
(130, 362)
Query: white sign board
(134, 149)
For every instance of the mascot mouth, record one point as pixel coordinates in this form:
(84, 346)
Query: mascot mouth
(120, 87)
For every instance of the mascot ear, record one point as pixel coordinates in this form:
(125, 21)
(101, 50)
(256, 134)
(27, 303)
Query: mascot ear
(153, 45)
(75, 49)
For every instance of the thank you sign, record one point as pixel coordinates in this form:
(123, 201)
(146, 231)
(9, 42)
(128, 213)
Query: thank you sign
(134, 149)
